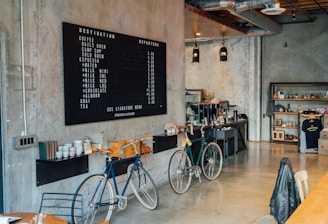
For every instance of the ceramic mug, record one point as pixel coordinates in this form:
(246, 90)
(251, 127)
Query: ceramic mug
(60, 148)
(72, 151)
(78, 144)
(59, 154)
(65, 154)
(66, 148)
(79, 151)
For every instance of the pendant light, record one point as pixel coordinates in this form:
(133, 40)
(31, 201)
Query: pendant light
(223, 52)
(195, 53)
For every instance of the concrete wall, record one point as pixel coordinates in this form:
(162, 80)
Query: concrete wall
(298, 54)
(158, 20)
(236, 80)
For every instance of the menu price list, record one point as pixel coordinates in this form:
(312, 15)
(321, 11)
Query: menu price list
(111, 76)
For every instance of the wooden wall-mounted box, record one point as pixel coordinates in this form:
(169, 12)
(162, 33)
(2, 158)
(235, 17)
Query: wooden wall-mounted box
(278, 135)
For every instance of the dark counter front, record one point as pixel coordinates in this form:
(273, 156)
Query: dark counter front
(242, 130)
(210, 132)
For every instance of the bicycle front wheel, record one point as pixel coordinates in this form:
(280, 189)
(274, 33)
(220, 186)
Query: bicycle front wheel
(97, 200)
(143, 186)
(212, 161)
(179, 172)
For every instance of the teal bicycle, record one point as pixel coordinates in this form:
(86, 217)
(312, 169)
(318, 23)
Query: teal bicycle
(183, 165)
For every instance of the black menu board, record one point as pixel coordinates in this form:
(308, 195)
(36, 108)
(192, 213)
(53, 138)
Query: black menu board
(111, 76)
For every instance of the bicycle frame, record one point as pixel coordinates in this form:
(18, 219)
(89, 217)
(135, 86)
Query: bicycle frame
(183, 164)
(188, 150)
(100, 192)
(110, 172)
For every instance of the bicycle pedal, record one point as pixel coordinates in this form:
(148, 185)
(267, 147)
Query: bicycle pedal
(193, 167)
(122, 202)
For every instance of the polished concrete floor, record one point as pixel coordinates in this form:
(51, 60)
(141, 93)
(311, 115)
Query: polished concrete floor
(240, 195)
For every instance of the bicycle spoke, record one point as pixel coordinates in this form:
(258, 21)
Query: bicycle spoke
(98, 200)
(91, 215)
(144, 190)
(143, 186)
(210, 166)
(178, 172)
(212, 161)
(179, 180)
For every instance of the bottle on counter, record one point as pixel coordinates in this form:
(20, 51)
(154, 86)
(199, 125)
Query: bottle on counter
(235, 115)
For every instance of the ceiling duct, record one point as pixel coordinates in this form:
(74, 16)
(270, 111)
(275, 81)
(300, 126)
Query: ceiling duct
(273, 9)
(243, 10)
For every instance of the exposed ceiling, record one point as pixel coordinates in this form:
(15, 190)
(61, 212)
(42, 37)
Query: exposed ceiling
(214, 19)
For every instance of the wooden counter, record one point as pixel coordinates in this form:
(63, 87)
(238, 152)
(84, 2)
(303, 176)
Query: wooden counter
(314, 208)
(28, 216)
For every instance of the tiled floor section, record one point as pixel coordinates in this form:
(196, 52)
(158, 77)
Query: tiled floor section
(240, 195)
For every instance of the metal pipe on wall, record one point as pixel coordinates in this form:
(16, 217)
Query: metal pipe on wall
(23, 65)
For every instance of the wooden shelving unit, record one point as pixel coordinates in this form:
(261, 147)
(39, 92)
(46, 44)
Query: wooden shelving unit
(292, 97)
(299, 99)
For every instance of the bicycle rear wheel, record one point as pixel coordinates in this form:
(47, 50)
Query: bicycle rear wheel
(143, 186)
(212, 161)
(179, 172)
(95, 190)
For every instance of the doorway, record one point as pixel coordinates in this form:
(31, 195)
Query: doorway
(2, 59)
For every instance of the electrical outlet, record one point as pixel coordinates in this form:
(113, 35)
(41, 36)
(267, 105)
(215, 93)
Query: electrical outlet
(26, 141)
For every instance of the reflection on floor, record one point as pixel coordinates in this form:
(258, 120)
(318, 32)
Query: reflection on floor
(240, 195)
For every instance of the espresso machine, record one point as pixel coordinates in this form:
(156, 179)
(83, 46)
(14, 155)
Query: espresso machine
(212, 111)
(222, 111)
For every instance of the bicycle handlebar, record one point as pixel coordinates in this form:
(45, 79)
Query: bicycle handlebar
(123, 147)
(190, 127)
(133, 142)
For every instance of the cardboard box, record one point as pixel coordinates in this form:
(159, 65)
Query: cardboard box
(324, 133)
(325, 121)
(323, 146)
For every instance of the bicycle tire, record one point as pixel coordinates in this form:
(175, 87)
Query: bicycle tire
(91, 189)
(212, 161)
(143, 186)
(179, 172)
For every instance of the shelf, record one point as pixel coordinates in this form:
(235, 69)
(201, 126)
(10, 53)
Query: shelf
(286, 113)
(164, 142)
(307, 95)
(299, 99)
(290, 141)
(48, 171)
(280, 126)
(299, 84)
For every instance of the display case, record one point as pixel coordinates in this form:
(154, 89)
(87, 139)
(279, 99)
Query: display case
(193, 98)
(288, 101)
